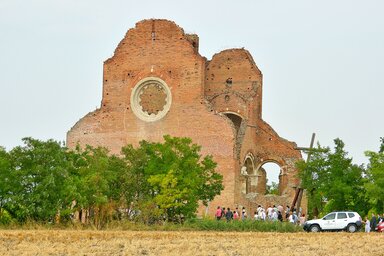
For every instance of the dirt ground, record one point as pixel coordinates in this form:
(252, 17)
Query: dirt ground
(64, 242)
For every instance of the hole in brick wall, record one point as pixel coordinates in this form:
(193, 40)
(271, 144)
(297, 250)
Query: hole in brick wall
(226, 98)
(229, 59)
(107, 93)
(129, 74)
(103, 105)
(272, 177)
(207, 68)
(228, 68)
(127, 108)
(169, 72)
(106, 80)
(228, 81)
(236, 120)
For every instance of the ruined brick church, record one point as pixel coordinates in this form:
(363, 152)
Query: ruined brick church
(157, 83)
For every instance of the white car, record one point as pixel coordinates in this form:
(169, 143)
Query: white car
(348, 221)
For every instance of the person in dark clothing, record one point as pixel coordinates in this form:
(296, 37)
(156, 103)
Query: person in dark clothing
(373, 222)
(223, 212)
(279, 216)
(229, 215)
(287, 210)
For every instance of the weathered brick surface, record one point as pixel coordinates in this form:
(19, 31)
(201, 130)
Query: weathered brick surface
(203, 92)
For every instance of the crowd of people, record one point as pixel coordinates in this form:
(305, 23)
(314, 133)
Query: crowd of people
(272, 213)
(371, 225)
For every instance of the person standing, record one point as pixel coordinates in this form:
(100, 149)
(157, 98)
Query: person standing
(218, 213)
(262, 214)
(269, 212)
(367, 225)
(236, 215)
(280, 216)
(302, 219)
(274, 215)
(229, 215)
(287, 210)
(223, 212)
(243, 214)
(256, 216)
(373, 222)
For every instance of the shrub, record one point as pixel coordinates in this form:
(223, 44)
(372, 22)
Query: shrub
(247, 225)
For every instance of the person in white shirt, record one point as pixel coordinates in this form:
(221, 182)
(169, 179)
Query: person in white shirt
(269, 212)
(262, 215)
(274, 215)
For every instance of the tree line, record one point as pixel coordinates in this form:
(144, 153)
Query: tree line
(333, 182)
(45, 181)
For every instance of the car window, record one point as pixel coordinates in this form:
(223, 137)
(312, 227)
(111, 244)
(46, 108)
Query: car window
(341, 215)
(351, 214)
(330, 216)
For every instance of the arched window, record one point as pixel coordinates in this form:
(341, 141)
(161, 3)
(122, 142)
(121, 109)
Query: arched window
(269, 178)
(248, 175)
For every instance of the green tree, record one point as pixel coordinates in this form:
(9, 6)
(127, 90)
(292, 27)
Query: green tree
(272, 189)
(38, 171)
(6, 181)
(333, 182)
(95, 185)
(172, 175)
(375, 178)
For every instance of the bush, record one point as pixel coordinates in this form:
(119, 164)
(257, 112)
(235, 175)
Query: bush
(5, 217)
(247, 225)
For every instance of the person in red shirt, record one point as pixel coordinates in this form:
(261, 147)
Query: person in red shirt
(236, 215)
(218, 213)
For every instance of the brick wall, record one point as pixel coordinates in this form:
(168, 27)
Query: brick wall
(202, 92)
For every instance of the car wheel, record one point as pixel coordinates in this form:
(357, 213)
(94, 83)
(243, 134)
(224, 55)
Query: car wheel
(314, 228)
(351, 228)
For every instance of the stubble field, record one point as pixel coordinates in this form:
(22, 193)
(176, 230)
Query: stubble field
(65, 242)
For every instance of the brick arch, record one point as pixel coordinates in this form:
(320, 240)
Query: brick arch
(247, 172)
(262, 175)
(279, 162)
(230, 102)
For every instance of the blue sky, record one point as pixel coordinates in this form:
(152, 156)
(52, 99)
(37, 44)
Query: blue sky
(322, 61)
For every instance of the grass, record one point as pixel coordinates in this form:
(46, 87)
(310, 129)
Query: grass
(190, 225)
(88, 242)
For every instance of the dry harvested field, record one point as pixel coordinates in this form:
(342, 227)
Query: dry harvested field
(65, 242)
